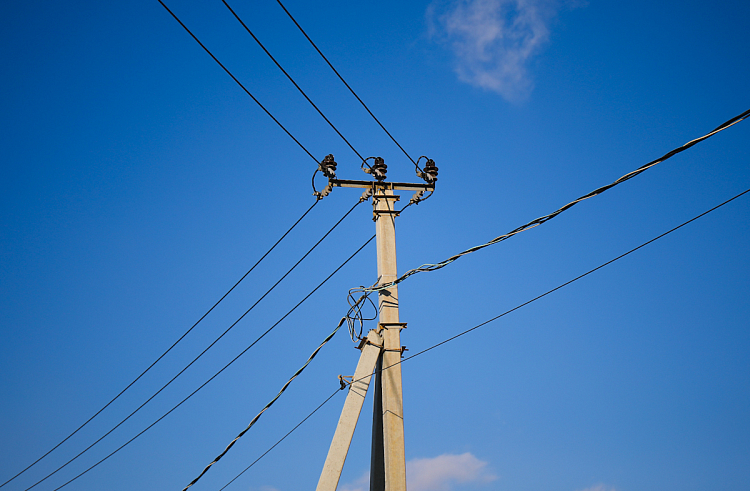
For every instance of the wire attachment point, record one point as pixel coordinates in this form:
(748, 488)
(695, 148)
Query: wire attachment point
(377, 169)
(430, 172)
(328, 168)
(345, 380)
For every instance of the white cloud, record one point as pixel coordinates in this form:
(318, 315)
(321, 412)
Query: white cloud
(598, 487)
(442, 472)
(493, 40)
(439, 473)
(361, 484)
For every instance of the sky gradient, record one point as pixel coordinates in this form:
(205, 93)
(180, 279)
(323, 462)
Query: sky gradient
(140, 183)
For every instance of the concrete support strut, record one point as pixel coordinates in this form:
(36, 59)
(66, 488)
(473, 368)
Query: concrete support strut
(342, 438)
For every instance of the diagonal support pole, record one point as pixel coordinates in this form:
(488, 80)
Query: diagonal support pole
(342, 438)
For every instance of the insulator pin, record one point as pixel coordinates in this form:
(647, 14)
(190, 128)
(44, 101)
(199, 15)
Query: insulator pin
(379, 169)
(328, 166)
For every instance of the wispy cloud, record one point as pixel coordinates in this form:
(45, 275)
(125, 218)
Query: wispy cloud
(361, 484)
(598, 487)
(439, 473)
(493, 40)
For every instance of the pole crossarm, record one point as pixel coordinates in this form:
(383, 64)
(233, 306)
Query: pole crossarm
(396, 186)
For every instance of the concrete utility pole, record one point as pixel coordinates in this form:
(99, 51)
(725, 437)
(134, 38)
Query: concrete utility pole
(381, 348)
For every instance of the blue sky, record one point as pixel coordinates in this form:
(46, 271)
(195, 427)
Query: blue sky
(140, 183)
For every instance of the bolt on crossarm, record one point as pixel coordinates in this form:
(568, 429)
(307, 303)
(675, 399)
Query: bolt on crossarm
(382, 346)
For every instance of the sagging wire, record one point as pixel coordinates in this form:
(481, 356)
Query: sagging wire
(467, 331)
(270, 403)
(221, 370)
(155, 361)
(538, 221)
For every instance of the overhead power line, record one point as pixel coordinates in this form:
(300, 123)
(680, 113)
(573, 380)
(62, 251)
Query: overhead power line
(344, 82)
(222, 369)
(168, 349)
(239, 83)
(467, 331)
(292, 80)
(546, 218)
(571, 281)
(281, 439)
(257, 417)
(202, 352)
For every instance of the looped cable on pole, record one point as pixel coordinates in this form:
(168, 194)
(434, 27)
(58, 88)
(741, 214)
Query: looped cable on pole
(354, 315)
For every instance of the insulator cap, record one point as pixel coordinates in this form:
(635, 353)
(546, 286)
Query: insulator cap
(431, 171)
(379, 168)
(328, 166)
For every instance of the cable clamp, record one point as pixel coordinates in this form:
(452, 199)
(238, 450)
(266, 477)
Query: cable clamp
(397, 350)
(392, 325)
(345, 380)
(364, 341)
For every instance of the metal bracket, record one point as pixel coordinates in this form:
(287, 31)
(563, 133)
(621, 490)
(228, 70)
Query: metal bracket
(364, 341)
(345, 380)
(392, 325)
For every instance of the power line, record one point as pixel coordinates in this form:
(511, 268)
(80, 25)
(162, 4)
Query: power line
(546, 218)
(239, 83)
(222, 369)
(202, 352)
(570, 281)
(257, 417)
(292, 80)
(281, 439)
(344, 81)
(489, 321)
(168, 349)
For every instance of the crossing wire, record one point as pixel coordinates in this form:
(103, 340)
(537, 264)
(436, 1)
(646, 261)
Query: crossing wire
(222, 369)
(257, 417)
(344, 81)
(202, 352)
(546, 218)
(238, 82)
(281, 439)
(168, 349)
(467, 331)
(292, 80)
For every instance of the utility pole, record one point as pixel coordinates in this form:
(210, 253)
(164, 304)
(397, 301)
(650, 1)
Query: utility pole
(381, 350)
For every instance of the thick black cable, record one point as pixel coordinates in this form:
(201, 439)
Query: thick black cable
(168, 349)
(344, 81)
(292, 80)
(281, 439)
(489, 321)
(224, 367)
(239, 83)
(570, 281)
(202, 352)
(546, 218)
(267, 406)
